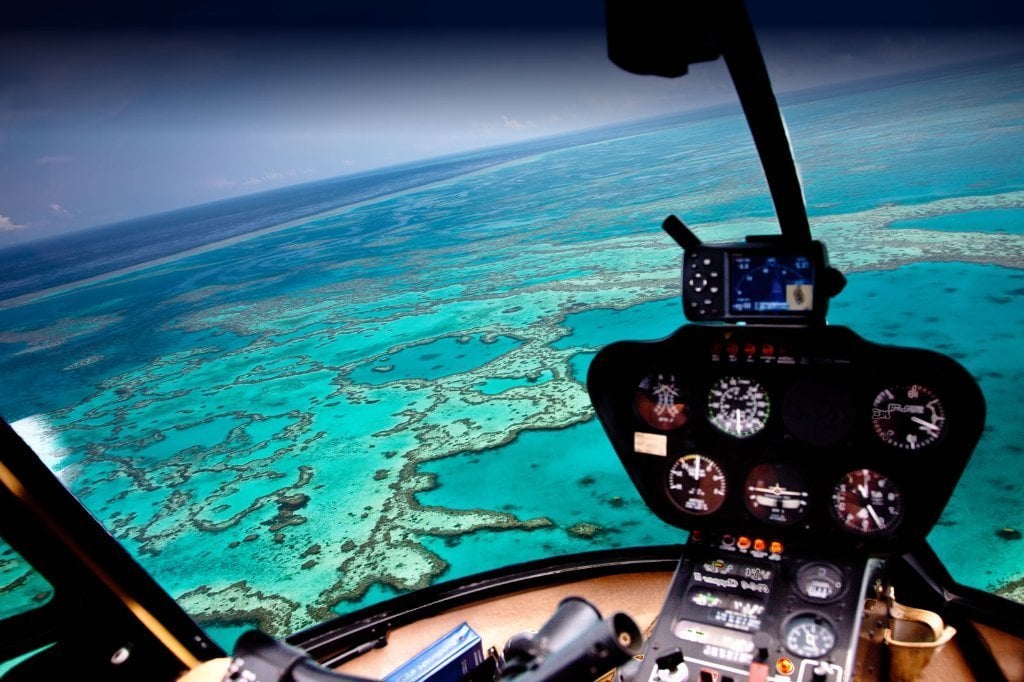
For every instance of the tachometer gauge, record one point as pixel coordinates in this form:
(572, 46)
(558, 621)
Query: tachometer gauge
(661, 402)
(696, 484)
(866, 502)
(776, 493)
(808, 635)
(908, 417)
(738, 406)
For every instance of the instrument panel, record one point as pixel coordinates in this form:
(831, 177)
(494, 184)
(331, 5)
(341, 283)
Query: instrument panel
(790, 432)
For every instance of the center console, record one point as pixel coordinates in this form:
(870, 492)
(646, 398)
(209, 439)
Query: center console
(743, 608)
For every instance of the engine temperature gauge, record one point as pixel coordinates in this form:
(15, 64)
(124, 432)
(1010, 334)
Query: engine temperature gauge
(738, 406)
(908, 417)
(696, 483)
(866, 502)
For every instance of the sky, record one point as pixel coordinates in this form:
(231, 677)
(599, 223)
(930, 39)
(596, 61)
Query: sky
(112, 110)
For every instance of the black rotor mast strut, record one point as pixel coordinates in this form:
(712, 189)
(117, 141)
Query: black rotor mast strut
(654, 37)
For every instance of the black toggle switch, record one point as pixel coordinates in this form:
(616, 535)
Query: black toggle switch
(670, 661)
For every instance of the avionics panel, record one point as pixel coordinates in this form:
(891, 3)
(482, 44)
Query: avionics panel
(794, 432)
(732, 613)
(756, 282)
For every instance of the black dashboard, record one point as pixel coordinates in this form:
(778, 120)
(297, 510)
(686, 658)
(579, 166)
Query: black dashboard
(799, 458)
(790, 434)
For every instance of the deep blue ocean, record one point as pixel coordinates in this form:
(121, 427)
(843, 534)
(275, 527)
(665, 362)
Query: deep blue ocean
(80, 255)
(302, 390)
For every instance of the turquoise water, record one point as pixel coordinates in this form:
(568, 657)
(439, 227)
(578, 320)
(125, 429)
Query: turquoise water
(390, 394)
(439, 358)
(973, 313)
(1006, 220)
(502, 384)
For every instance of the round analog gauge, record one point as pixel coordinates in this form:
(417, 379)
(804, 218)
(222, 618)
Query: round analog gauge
(738, 406)
(820, 582)
(776, 493)
(808, 635)
(661, 402)
(866, 502)
(696, 484)
(908, 417)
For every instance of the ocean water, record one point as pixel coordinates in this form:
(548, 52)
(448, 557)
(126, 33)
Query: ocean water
(363, 396)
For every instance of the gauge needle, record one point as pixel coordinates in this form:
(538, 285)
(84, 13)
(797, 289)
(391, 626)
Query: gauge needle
(739, 427)
(928, 425)
(875, 517)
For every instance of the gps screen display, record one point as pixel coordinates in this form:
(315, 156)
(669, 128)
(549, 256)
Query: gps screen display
(770, 284)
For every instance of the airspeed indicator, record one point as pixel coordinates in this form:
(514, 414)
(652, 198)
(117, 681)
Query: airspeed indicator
(738, 406)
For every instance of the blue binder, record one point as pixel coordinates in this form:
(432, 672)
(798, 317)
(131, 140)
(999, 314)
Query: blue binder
(448, 659)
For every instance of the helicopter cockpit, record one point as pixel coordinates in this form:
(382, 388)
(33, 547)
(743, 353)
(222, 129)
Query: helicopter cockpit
(795, 456)
(806, 464)
(799, 456)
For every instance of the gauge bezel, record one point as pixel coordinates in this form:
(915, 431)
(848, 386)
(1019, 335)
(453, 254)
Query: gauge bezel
(899, 443)
(802, 488)
(811, 565)
(683, 398)
(816, 616)
(720, 499)
(722, 426)
(876, 475)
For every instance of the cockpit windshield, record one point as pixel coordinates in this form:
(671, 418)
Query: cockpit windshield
(305, 321)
